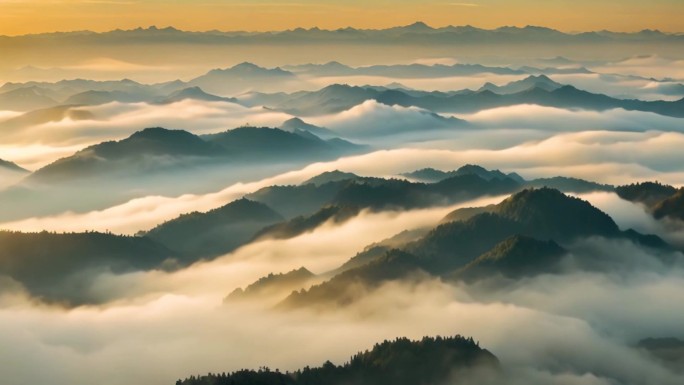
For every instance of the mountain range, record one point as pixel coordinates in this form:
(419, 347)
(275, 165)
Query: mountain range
(543, 92)
(219, 231)
(158, 150)
(335, 98)
(526, 234)
(416, 33)
(287, 211)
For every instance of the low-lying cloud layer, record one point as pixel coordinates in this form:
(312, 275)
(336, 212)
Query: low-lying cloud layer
(603, 156)
(574, 329)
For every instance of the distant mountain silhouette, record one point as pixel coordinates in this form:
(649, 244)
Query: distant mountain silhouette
(430, 361)
(273, 284)
(304, 224)
(239, 78)
(337, 98)
(417, 33)
(128, 155)
(26, 99)
(330, 176)
(216, 232)
(430, 175)
(60, 91)
(542, 82)
(417, 71)
(40, 95)
(58, 268)
(567, 184)
(271, 143)
(155, 150)
(348, 286)
(331, 99)
(195, 93)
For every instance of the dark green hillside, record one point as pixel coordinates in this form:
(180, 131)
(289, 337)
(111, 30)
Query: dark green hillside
(430, 361)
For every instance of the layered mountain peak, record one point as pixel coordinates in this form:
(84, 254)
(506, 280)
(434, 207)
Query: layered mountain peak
(330, 176)
(519, 246)
(418, 26)
(556, 214)
(515, 257)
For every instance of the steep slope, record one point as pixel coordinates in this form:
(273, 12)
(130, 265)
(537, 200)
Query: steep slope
(219, 231)
(303, 224)
(351, 285)
(514, 258)
(671, 207)
(10, 166)
(273, 284)
(10, 174)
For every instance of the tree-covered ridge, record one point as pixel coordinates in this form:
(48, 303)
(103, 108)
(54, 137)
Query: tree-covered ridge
(52, 266)
(661, 200)
(521, 236)
(648, 193)
(158, 149)
(273, 284)
(219, 231)
(430, 361)
(515, 257)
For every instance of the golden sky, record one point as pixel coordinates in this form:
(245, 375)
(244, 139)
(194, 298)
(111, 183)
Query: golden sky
(36, 16)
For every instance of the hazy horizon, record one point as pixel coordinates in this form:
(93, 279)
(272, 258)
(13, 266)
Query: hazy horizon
(46, 16)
